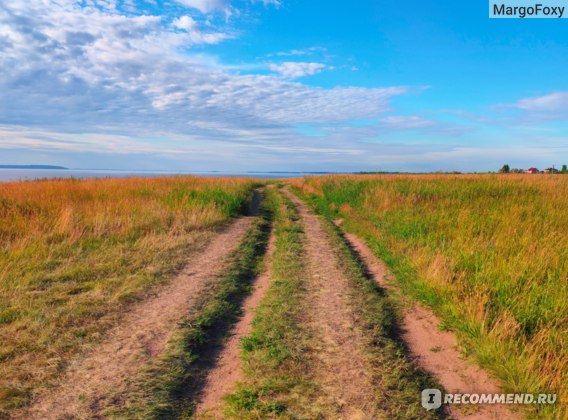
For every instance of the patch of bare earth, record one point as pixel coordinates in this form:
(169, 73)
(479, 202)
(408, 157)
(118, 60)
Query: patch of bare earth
(436, 351)
(227, 371)
(339, 363)
(140, 336)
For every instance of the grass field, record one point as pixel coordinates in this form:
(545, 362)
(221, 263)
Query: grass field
(489, 253)
(74, 253)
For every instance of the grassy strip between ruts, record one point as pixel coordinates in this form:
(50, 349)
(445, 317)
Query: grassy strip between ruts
(395, 379)
(277, 380)
(167, 388)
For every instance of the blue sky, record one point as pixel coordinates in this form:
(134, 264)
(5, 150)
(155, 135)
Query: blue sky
(280, 85)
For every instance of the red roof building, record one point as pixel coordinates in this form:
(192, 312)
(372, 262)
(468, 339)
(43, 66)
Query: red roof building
(532, 171)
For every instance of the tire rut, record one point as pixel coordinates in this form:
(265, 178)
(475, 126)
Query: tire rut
(227, 371)
(339, 363)
(141, 335)
(434, 350)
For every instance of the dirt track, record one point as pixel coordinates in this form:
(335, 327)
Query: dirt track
(141, 335)
(341, 368)
(228, 369)
(434, 350)
(339, 363)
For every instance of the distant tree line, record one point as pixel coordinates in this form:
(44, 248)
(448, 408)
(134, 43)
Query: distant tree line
(506, 169)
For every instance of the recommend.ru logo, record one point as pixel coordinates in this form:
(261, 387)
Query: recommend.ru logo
(433, 399)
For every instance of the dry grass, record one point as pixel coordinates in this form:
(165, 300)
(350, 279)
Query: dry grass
(489, 253)
(74, 253)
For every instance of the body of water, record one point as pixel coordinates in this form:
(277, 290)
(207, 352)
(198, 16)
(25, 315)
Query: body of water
(30, 174)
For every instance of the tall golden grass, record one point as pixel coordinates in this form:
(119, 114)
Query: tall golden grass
(73, 253)
(488, 252)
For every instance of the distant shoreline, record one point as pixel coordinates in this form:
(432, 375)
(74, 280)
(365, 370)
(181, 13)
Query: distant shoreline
(33, 167)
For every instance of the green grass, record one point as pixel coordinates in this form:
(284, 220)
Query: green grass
(277, 380)
(488, 253)
(167, 387)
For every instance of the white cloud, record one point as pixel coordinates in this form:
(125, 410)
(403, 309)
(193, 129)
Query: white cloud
(205, 6)
(556, 101)
(187, 23)
(96, 68)
(531, 113)
(301, 52)
(276, 3)
(406, 122)
(295, 69)
(210, 6)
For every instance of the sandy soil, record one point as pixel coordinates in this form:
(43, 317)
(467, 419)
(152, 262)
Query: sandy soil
(340, 366)
(227, 371)
(436, 351)
(141, 335)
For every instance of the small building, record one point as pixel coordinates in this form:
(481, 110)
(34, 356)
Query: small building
(532, 171)
(551, 171)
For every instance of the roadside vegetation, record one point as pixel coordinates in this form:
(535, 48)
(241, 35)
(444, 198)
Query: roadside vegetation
(488, 253)
(75, 253)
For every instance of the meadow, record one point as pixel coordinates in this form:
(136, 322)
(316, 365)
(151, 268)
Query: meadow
(76, 253)
(489, 253)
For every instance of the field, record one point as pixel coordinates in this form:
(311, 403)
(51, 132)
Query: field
(488, 253)
(76, 253)
(188, 297)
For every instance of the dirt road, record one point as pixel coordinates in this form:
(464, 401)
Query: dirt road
(227, 371)
(436, 351)
(339, 364)
(141, 335)
(341, 367)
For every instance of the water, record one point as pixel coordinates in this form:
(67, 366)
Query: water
(30, 174)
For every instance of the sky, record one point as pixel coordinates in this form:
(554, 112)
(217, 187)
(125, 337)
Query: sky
(280, 85)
